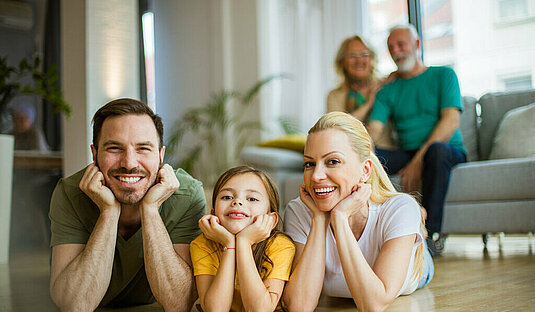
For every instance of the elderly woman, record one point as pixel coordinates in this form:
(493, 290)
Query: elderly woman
(355, 63)
(355, 236)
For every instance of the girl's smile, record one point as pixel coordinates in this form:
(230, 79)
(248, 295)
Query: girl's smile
(241, 199)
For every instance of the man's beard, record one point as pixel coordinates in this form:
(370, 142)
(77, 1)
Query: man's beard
(127, 196)
(408, 64)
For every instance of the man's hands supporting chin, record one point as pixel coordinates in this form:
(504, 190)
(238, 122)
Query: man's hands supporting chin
(94, 186)
(166, 184)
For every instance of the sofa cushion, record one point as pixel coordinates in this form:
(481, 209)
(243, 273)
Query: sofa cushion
(468, 127)
(293, 142)
(504, 179)
(493, 107)
(272, 158)
(511, 216)
(515, 137)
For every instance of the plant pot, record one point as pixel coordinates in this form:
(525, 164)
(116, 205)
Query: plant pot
(6, 182)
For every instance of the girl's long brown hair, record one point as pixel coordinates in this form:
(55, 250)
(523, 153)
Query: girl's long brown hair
(259, 249)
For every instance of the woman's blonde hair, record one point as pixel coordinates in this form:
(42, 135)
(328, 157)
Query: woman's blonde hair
(341, 54)
(361, 143)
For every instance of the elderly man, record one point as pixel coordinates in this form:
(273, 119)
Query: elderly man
(424, 104)
(121, 227)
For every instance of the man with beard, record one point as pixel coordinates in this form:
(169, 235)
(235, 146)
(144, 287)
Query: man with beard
(424, 104)
(121, 227)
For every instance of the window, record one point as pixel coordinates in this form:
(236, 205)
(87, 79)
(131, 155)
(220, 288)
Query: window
(517, 83)
(148, 52)
(438, 32)
(384, 14)
(464, 35)
(511, 10)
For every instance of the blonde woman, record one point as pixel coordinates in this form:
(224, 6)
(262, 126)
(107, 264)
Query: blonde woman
(355, 236)
(355, 64)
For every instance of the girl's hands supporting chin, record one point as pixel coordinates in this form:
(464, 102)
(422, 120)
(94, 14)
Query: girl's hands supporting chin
(259, 230)
(213, 230)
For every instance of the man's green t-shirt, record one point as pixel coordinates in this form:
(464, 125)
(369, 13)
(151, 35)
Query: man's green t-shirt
(73, 216)
(415, 105)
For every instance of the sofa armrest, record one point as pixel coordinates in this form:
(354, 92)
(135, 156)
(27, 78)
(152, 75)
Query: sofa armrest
(504, 179)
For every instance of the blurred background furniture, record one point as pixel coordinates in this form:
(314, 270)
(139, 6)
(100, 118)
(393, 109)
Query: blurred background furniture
(485, 195)
(6, 175)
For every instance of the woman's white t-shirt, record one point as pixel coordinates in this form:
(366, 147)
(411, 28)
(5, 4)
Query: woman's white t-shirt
(398, 216)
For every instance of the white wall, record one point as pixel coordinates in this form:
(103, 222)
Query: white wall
(100, 62)
(202, 47)
(73, 59)
(185, 71)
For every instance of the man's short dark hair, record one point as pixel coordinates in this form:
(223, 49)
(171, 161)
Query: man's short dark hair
(121, 107)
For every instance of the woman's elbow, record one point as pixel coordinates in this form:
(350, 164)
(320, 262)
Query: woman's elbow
(296, 304)
(375, 305)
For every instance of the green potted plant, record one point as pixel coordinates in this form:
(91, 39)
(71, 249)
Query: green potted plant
(41, 83)
(220, 131)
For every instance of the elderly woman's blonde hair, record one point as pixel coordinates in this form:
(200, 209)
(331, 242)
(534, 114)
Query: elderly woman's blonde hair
(361, 143)
(341, 54)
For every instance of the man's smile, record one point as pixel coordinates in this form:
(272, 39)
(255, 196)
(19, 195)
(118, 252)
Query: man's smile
(128, 180)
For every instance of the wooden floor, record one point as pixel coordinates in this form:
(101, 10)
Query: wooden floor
(466, 279)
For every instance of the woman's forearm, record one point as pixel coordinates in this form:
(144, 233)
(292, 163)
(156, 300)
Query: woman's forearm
(367, 290)
(304, 287)
(363, 111)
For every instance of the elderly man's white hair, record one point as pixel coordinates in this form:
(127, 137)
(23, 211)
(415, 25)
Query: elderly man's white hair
(409, 27)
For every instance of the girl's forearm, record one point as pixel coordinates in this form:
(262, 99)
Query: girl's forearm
(254, 294)
(219, 295)
(303, 290)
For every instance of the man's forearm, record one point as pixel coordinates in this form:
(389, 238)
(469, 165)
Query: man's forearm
(170, 277)
(375, 129)
(442, 132)
(81, 284)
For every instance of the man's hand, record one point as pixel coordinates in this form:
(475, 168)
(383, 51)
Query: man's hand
(213, 230)
(411, 176)
(391, 77)
(166, 184)
(259, 230)
(354, 203)
(94, 186)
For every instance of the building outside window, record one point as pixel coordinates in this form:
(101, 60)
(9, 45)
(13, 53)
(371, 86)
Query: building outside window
(484, 41)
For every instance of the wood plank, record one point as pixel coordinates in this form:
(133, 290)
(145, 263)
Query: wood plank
(466, 279)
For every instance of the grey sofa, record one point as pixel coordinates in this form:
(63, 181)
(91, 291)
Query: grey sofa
(484, 195)
(490, 195)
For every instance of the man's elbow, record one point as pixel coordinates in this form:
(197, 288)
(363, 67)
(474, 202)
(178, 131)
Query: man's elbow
(375, 129)
(178, 303)
(73, 304)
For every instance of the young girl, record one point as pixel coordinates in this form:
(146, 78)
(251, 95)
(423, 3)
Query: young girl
(242, 261)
